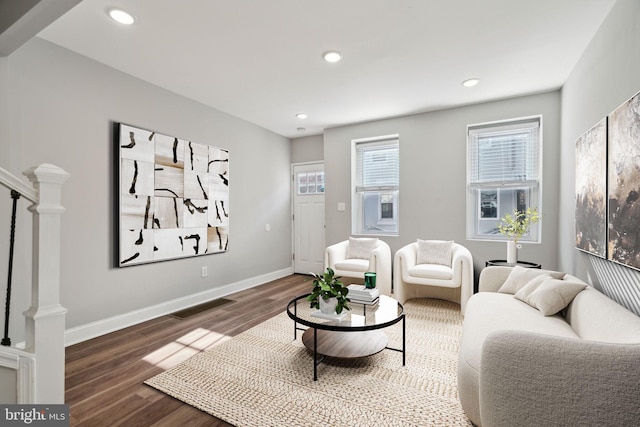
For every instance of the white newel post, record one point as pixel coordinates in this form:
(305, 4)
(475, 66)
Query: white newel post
(45, 319)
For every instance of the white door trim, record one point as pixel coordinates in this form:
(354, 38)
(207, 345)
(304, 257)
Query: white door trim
(293, 198)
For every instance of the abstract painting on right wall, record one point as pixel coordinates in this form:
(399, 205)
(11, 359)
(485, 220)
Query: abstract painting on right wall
(591, 190)
(624, 183)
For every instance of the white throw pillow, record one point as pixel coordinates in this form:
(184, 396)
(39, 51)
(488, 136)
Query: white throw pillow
(361, 248)
(434, 252)
(520, 276)
(549, 295)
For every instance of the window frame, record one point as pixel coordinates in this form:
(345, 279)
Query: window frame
(509, 191)
(359, 192)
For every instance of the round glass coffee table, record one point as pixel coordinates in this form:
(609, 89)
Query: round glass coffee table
(356, 333)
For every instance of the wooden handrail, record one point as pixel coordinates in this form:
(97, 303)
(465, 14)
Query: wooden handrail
(12, 182)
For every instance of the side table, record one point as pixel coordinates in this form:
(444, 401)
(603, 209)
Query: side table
(504, 263)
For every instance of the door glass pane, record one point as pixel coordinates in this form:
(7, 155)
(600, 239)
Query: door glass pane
(302, 183)
(320, 182)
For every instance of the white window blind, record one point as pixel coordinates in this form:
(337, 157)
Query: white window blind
(377, 166)
(504, 157)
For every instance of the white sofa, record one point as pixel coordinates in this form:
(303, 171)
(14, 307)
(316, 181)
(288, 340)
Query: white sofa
(376, 259)
(518, 367)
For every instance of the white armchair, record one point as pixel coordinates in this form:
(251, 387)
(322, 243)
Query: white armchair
(364, 255)
(412, 279)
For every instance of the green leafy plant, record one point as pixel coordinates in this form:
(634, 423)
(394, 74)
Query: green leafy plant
(326, 286)
(517, 224)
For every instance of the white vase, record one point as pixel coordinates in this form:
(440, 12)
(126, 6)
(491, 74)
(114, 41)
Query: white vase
(328, 306)
(512, 252)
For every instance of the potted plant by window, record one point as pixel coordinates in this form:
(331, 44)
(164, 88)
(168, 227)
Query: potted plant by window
(516, 225)
(329, 294)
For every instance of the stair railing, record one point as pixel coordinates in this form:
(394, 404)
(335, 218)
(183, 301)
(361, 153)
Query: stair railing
(6, 341)
(45, 319)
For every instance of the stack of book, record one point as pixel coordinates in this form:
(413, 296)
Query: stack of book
(360, 295)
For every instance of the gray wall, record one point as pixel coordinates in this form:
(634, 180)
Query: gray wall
(607, 74)
(62, 109)
(307, 149)
(433, 175)
(4, 108)
(19, 293)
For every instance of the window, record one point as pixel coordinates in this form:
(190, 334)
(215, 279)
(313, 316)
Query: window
(310, 182)
(375, 186)
(503, 175)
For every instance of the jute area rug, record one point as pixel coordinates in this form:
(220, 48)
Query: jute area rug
(263, 377)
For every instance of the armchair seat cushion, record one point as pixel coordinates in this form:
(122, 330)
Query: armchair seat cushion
(353, 264)
(431, 271)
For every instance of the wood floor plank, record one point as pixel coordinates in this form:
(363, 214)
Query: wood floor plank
(105, 375)
(106, 341)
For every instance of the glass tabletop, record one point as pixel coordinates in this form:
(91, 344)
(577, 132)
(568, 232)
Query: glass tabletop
(361, 317)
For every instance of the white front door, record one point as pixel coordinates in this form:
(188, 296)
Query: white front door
(308, 218)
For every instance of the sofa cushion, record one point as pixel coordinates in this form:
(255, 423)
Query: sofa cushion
(549, 295)
(361, 248)
(434, 252)
(431, 271)
(613, 323)
(489, 312)
(520, 276)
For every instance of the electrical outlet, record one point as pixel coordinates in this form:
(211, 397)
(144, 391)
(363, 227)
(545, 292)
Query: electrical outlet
(204, 271)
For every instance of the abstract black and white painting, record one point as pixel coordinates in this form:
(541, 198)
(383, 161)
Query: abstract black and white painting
(624, 183)
(591, 190)
(173, 197)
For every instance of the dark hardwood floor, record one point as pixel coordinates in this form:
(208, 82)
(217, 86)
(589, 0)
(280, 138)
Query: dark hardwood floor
(105, 376)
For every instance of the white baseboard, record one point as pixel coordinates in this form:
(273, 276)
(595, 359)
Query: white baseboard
(111, 324)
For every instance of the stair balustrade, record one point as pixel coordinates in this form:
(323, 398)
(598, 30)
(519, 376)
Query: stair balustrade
(39, 367)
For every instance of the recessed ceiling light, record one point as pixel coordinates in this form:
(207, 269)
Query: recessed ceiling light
(332, 56)
(470, 82)
(121, 16)
(301, 115)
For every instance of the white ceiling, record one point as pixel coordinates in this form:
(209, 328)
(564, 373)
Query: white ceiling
(261, 60)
